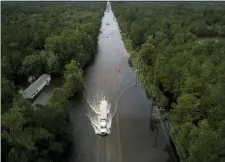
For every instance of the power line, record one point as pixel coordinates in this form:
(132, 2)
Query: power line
(167, 138)
(172, 137)
(162, 125)
(168, 125)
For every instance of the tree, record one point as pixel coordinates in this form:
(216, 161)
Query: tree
(206, 145)
(53, 63)
(43, 38)
(7, 94)
(20, 138)
(73, 78)
(33, 65)
(183, 41)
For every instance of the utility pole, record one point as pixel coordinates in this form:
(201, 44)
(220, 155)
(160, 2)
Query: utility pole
(159, 114)
(137, 73)
(156, 65)
(136, 77)
(151, 111)
(157, 131)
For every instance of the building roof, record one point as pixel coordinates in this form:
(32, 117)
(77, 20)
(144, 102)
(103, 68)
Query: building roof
(33, 87)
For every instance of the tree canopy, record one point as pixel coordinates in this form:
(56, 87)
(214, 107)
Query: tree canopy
(37, 38)
(179, 50)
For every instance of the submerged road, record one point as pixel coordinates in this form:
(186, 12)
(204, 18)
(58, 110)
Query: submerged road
(131, 139)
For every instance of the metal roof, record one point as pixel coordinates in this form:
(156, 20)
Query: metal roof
(34, 86)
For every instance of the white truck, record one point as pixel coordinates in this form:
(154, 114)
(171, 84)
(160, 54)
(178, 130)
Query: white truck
(103, 117)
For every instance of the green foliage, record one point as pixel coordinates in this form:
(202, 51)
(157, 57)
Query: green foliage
(186, 109)
(7, 93)
(39, 38)
(30, 132)
(20, 136)
(180, 52)
(205, 146)
(34, 64)
(73, 79)
(45, 37)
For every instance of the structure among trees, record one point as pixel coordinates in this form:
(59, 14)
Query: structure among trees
(36, 86)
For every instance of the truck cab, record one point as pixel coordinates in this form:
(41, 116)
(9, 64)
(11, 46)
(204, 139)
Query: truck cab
(103, 127)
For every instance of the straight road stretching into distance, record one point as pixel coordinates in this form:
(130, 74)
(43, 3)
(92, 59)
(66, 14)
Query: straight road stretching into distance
(131, 139)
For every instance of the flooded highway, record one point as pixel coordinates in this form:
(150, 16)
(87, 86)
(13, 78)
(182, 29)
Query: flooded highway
(110, 76)
(131, 139)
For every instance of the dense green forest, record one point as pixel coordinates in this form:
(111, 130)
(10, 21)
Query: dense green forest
(179, 51)
(37, 38)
